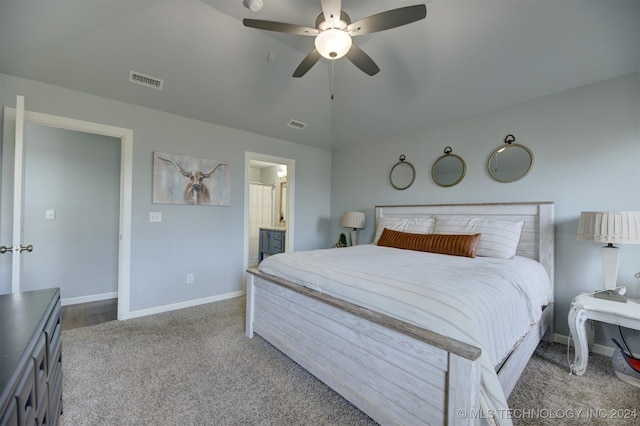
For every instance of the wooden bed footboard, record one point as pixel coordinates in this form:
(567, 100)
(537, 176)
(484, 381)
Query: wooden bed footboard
(393, 371)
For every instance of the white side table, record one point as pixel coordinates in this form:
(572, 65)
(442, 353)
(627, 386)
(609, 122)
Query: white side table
(585, 307)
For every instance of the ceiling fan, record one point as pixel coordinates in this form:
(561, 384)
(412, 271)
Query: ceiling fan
(334, 30)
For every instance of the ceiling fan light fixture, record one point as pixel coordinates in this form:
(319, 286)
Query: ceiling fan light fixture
(333, 43)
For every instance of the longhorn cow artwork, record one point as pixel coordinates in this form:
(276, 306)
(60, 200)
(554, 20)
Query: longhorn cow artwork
(189, 180)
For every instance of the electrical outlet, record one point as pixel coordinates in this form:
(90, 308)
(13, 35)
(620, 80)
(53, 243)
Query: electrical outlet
(189, 278)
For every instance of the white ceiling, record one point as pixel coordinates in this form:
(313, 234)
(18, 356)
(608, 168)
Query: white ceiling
(465, 58)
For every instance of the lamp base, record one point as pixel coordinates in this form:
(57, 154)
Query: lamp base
(354, 237)
(610, 295)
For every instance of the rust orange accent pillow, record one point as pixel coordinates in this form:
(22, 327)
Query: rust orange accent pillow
(454, 245)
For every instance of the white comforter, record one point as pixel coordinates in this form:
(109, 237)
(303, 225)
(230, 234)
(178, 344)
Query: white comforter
(487, 302)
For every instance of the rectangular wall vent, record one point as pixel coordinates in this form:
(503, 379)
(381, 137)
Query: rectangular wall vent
(145, 80)
(297, 124)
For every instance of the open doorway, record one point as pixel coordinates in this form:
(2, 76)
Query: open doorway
(269, 183)
(71, 215)
(54, 215)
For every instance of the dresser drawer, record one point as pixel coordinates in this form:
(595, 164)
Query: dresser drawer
(42, 418)
(40, 366)
(53, 332)
(55, 412)
(55, 396)
(54, 319)
(54, 325)
(26, 396)
(10, 416)
(54, 358)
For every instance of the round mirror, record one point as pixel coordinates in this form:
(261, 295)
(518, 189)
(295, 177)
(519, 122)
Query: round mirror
(449, 169)
(510, 162)
(402, 174)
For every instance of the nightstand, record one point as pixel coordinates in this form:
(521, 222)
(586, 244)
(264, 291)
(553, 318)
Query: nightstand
(586, 307)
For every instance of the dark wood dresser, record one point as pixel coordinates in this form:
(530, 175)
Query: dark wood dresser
(30, 358)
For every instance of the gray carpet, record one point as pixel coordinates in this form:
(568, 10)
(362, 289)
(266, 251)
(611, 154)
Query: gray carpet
(195, 367)
(547, 394)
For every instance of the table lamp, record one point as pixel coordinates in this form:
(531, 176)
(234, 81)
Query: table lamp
(610, 228)
(355, 221)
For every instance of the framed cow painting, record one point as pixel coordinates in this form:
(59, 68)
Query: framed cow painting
(179, 179)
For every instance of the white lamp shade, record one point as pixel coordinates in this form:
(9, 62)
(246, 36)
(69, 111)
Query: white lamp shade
(333, 43)
(354, 220)
(610, 227)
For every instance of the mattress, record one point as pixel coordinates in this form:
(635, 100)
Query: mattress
(487, 302)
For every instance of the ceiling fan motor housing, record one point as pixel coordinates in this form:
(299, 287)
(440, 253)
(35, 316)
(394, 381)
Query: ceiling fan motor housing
(342, 24)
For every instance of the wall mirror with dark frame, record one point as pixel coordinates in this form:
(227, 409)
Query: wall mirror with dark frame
(510, 162)
(402, 174)
(449, 169)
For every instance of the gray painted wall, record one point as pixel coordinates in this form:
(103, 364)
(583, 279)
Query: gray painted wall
(77, 175)
(586, 144)
(587, 156)
(205, 240)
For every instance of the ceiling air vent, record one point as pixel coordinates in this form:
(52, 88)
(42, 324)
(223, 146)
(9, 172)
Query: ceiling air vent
(297, 124)
(145, 80)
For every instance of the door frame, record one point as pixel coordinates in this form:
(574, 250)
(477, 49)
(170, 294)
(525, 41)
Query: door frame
(291, 179)
(126, 180)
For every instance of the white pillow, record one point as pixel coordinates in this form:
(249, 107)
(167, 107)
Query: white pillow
(498, 238)
(415, 225)
(393, 223)
(420, 225)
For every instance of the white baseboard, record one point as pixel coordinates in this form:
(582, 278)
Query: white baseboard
(597, 348)
(181, 305)
(87, 299)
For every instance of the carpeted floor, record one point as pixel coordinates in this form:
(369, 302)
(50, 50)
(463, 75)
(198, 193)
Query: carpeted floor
(195, 367)
(547, 394)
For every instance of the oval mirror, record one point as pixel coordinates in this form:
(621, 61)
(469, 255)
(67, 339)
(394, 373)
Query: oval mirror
(510, 162)
(449, 169)
(402, 174)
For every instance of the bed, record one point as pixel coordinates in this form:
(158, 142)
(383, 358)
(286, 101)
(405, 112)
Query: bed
(396, 369)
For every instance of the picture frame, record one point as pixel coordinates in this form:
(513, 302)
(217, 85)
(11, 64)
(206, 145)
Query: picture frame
(179, 179)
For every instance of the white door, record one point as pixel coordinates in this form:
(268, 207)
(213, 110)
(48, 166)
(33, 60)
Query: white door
(16, 249)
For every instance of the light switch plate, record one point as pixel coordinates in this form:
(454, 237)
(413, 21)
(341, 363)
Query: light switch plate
(50, 214)
(155, 216)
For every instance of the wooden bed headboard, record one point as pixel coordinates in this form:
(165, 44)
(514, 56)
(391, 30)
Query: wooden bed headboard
(536, 240)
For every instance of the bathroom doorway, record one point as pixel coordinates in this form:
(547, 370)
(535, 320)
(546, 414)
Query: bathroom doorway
(269, 183)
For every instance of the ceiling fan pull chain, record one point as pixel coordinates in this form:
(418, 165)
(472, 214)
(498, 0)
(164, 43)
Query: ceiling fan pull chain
(332, 79)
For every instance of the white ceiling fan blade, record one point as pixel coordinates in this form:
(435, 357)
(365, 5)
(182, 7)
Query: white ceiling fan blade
(331, 8)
